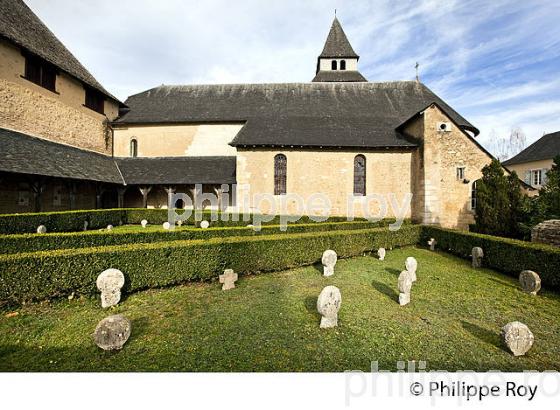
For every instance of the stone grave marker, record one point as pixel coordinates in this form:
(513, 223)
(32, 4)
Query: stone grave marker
(405, 286)
(328, 260)
(112, 332)
(328, 305)
(432, 243)
(530, 282)
(517, 337)
(411, 266)
(110, 282)
(477, 255)
(228, 278)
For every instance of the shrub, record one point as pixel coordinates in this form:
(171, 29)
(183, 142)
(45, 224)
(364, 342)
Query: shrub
(43, 275)
(503, 254)
(33, 243)
(72, 221)
(61, 221)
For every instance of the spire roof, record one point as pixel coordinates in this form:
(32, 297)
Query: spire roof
(337, 44)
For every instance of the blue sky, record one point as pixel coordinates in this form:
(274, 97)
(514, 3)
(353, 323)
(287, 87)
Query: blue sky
(496, 62)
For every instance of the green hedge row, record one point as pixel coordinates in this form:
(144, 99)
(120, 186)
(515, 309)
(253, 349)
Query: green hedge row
(503, 254)
(73, 221)
(43, 275)
(61, 221)
(33, 243)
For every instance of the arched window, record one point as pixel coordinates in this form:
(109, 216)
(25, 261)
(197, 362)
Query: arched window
(359, 175)
(280, 164)
(333, 65)
(473, 196)
(133, 148)
(343, 64)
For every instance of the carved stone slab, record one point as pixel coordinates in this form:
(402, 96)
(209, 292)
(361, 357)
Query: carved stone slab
(517, 337)
(530, 282)
(381, 253)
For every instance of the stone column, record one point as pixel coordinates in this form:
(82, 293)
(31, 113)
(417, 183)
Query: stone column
(38, 187)
(219, 194)
(193, 194)
(99, 191)
(72, 192)
(120, 197)
(170, 191)
(145, 190)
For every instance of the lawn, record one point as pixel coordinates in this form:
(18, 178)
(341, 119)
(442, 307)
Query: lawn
(269, 323)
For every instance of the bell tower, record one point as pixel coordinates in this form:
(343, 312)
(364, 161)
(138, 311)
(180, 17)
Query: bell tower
(338, 62)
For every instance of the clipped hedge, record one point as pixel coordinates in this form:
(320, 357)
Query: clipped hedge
(510, 256)
(21, 243)
(73, 221)
(43, 275)
(61, 221)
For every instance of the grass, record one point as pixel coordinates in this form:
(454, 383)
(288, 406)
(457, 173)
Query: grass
(269, 323)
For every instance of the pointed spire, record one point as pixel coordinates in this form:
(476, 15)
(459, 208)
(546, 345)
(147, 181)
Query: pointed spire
(337, 44)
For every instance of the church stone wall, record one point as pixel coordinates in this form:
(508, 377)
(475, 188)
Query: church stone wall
(60, 116)
(177, 140)
(447, 200)
(327, 172)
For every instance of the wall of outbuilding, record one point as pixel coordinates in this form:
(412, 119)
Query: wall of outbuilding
(60, 117)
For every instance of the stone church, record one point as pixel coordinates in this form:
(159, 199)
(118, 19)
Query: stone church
(67, 143)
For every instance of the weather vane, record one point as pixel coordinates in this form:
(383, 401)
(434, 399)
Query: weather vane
(417, 76)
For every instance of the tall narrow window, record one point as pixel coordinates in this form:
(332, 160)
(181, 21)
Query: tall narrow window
(40, 72)
(359, 175)
(473, 196)
(280, 165)
(343, 64)
(95, 100)
(133, 148)
(333, 65)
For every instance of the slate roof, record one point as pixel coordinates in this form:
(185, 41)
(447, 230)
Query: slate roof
(358, 115)
(337, 44)
(24, 154)
(178, 170)
(21, 153)
(21, 26)
(546, 147)
(339, 76)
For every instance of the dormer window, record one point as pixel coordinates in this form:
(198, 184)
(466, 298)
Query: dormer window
(40, 72)
(343, 64)
(333, 65)
(95, 100)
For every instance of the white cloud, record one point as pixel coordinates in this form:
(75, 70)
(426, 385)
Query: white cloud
(494, 62)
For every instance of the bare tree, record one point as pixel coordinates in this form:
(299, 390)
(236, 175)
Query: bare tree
(507, 147)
